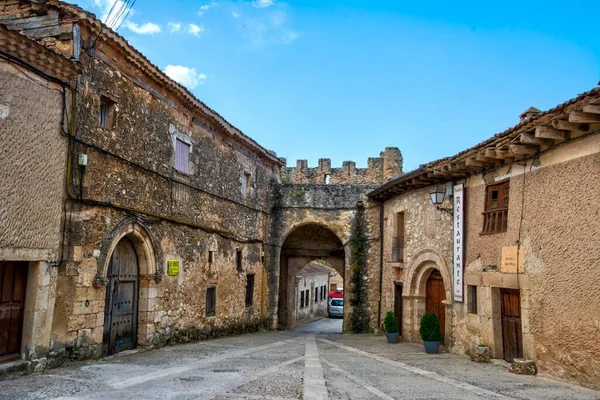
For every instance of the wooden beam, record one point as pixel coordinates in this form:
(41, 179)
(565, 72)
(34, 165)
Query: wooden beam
(592, 108)
(583, 118)
(523, 149)
(530, 138)
(548, 132)
(500, 154)
(568, 126)
(484, 158)
(472, 162)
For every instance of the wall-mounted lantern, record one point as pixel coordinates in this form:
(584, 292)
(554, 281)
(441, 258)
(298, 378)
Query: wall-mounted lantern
(438, 196)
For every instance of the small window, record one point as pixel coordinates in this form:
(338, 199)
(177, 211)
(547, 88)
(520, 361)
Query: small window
(316, 295)
(327, 179)
(472, 299)
(495, 217)
(246, 183)
(249, 290)
(211, 301)
(210, 256)
(106, 116)
(182, 152)
(302, 299)
(398, 240)
(307, 297)
(238, 260)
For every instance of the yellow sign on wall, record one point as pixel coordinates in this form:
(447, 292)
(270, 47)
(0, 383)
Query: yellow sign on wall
(510, 259)
(173, 267)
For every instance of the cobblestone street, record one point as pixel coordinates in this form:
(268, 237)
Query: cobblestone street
(287, 365)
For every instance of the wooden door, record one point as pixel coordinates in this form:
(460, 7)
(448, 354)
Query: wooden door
(13, 282)
(398, 304)
(512, 338)
(434, 294)
(120, 313)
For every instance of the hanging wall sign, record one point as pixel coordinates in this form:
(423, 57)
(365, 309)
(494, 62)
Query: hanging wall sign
(173, 267)
(457, 269)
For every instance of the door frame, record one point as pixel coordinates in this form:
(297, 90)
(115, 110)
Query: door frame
(504, 327)
(399, 305)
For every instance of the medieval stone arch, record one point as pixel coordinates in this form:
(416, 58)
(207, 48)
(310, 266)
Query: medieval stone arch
(414, 296)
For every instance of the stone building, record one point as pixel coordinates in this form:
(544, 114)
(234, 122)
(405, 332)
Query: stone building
(32, 172)
(163, 222)
(513, 266)
(311, 290)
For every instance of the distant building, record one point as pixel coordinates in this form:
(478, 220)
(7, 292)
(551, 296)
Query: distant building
(311, 292)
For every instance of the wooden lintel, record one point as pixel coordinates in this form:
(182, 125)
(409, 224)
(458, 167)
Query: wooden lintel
(549, 132)
(530, 138)
(583, 118)
(523, 149)
(592, 108)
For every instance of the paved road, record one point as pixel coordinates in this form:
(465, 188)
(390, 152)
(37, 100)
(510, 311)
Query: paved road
(287, 365)
(322, 326)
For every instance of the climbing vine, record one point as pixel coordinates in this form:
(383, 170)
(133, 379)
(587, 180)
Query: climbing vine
(359, 283)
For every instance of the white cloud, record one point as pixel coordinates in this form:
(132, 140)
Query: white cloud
(195, 29)
(262, 3)
(149, 28)
(174, 27)
(235, 15)
(204, 8)
(188, 77)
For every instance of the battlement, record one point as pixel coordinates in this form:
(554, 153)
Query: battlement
(379, 170)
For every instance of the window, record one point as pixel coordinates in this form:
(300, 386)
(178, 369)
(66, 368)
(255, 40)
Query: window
(302, 299)
(246, 183)
(106, 117)
(495, 217)
(210, 256)
(307, 297)
(238, 260)
(182, 151)
(472, 299)
(398, 240)
(249, 289)
(211, 301)
(316, 295)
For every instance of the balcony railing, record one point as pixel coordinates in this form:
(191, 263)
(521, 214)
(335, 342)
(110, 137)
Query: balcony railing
(495, 221)
(398, 249)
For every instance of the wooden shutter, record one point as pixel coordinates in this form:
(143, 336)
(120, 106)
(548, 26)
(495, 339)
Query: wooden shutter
(182, 151)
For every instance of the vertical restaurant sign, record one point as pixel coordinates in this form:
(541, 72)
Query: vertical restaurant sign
(457, 269)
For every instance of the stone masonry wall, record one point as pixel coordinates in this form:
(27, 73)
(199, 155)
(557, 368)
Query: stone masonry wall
(380, 170)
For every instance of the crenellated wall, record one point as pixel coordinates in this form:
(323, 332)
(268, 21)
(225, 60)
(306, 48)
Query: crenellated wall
(379, 170)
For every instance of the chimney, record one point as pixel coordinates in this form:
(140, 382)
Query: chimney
(531, 112)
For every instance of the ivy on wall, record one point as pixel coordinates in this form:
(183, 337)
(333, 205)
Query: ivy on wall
(359, 283)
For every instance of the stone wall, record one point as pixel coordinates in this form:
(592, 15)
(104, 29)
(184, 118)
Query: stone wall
(427, 246)
(33, 166)
(379, 170)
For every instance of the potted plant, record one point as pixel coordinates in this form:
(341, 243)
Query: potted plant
(392, 327)
(430, 332)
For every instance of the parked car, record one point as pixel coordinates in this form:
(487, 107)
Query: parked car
(335, 308)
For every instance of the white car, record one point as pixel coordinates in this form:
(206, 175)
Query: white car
(335, 308)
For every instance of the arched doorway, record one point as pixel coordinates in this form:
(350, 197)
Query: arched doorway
(121, 306)
(303, 245)
(434, 295)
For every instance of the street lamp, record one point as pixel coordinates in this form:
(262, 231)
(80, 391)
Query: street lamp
(437, 199)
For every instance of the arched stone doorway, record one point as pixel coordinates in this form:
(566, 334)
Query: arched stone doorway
(120, 310)
(302, 245)
(427, 288)
(131, 244)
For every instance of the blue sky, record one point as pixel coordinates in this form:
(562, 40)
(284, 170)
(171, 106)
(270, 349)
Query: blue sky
(344, 78)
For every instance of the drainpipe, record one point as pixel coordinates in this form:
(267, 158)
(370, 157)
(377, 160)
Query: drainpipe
(381, 212)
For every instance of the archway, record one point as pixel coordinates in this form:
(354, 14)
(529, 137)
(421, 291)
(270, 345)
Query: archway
(303, 245)
(133, 239)
(427, 288)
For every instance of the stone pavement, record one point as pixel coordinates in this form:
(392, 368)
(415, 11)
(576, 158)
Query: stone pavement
(287, 365)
